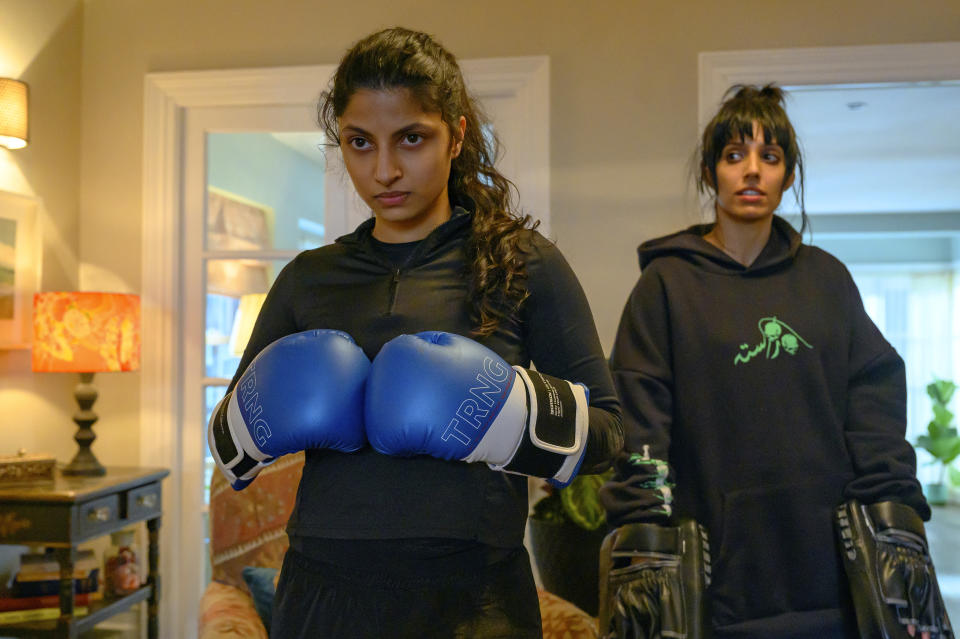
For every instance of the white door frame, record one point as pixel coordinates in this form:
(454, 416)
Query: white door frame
(823, 65)
(169, 99)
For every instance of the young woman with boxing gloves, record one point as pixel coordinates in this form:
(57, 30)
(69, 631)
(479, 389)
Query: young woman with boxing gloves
(398, 357)
(758, 395)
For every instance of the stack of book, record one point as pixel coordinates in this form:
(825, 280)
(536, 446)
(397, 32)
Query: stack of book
(35, 591)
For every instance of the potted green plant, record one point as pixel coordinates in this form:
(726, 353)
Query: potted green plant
(567, 527)
(941, 441)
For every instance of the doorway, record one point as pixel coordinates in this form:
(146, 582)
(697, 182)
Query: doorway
(187, 116)
(897, 224)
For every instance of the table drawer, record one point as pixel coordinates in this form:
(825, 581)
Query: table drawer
(143, 502)
(99, 515)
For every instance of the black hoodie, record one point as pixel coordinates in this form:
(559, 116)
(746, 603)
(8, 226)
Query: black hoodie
(774, 398)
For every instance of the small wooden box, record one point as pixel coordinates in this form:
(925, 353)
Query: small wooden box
(23, 467)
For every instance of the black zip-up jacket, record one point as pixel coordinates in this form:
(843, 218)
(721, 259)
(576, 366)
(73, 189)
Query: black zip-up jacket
(352, 287)
(774, 397)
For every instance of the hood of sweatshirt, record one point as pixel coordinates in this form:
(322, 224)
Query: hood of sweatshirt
(689, 244)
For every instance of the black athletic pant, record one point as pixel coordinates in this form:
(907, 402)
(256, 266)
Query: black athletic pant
(462, 596)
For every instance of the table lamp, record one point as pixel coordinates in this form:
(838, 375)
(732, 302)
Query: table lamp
(86, 333)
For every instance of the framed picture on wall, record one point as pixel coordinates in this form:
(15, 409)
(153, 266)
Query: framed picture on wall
(20, 255)
(236, 223)
(239, 228)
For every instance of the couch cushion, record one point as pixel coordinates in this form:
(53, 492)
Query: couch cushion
(247, 527)
(563, 620)
(262, 583)
(228, 613)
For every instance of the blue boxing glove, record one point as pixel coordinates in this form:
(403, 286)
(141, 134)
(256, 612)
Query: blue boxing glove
(304, 390)
(447, 396)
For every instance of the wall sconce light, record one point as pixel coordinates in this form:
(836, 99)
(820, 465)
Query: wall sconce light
(13, 113)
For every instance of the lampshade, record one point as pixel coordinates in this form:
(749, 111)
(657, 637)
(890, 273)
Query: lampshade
(13, 113)
(243, 321)
(86, 332)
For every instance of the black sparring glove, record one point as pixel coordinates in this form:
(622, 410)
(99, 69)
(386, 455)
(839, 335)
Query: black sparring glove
(641, 490)
(653, 581)
(891, 576)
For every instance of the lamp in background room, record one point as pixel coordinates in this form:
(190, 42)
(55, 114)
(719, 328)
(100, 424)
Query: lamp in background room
(86, 333)
(13, 113)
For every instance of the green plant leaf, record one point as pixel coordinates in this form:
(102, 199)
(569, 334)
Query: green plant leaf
(936, 431)
(947, 389)
(581, 503)
(941, 390)
(954, 476)
(952, 450)
(945, 449)
(549, 508)
(941, 440)
(941, 415)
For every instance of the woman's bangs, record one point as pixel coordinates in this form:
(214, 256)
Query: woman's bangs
(739, 126)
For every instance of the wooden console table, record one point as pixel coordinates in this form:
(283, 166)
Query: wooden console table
(63, 512)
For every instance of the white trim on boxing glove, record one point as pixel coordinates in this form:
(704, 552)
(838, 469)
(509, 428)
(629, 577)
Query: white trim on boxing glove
(499, 444)
(242, 441)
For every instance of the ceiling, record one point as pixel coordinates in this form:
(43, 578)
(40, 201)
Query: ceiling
(879, 148)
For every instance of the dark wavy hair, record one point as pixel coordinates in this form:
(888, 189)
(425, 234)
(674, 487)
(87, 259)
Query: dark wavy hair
(401, 58)
(742, 106)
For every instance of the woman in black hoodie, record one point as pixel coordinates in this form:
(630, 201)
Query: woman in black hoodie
(757, 393)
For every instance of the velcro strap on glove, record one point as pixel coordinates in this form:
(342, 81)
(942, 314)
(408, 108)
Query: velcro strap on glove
(555, 438)
(653, 581)
(888, 566)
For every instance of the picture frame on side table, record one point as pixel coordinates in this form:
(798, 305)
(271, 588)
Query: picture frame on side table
(21, 251)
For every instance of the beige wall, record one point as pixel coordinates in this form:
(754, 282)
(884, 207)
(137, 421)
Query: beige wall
(41, 44)
(623, 110)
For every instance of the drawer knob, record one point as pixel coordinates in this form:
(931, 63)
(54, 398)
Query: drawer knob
(99, 514)
(148, 500)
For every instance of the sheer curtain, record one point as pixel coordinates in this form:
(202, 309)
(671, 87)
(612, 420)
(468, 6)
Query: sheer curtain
(916, 310)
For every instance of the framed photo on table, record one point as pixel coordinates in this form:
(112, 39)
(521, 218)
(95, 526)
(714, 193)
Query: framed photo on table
(20, 258)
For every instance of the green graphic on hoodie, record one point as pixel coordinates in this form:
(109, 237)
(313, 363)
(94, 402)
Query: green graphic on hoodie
(777, 337)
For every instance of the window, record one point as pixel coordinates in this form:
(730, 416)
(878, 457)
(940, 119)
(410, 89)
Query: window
(916, 310)
(265, 203)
